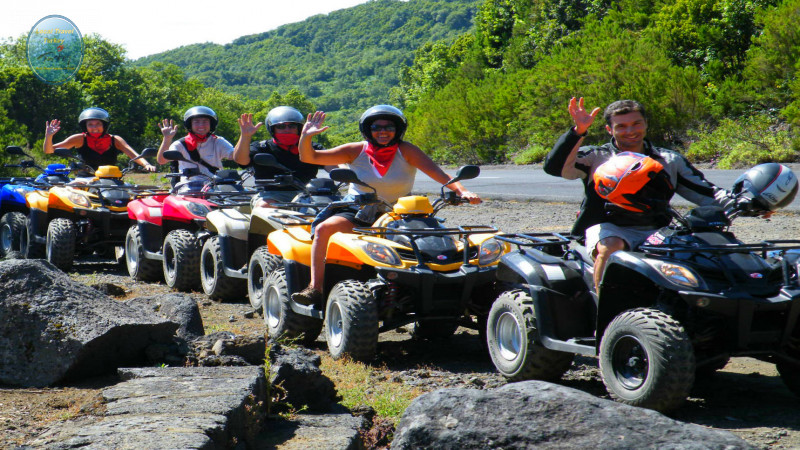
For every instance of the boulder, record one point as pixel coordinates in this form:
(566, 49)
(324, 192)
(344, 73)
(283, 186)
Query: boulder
(179, 308)
(297, 372)
(537, 414)
(55, 329)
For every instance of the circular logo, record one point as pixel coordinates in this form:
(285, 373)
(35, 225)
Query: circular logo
(55, 49)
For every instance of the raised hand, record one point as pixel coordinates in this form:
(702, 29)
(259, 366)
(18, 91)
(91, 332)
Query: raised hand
(52, 127)
(583, 119)
(168, 128)
(313, 125)
(246, 125)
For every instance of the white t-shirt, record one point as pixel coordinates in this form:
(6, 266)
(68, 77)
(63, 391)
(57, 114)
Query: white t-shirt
(213, 151)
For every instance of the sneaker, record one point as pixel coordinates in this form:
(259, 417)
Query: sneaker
(307, 296)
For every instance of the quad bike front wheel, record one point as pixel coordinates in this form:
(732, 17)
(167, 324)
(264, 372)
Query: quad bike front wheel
(790, 374)
(12, 225)
(647, 360)
(351, 321)
(216, 284)
(27, 246)
(262, 264)
(279, 318)
(511, 337)
(181, 261)
(139, 267)
(60, 247)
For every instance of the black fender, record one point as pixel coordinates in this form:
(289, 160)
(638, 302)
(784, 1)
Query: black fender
(563, 303)
(629, 282)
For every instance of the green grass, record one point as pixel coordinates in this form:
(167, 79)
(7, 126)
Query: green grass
(360, 384)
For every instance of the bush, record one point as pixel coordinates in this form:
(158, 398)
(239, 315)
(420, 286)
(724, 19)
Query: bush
(743, 142)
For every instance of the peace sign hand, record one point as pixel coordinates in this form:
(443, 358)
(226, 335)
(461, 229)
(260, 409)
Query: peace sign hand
(583, 119)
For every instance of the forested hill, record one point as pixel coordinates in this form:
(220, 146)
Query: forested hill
(348, 59)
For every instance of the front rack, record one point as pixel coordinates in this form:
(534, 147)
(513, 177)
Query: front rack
(537, 239)
(762, 247)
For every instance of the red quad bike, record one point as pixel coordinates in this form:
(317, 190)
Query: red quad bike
(167, 231)
(677, 307)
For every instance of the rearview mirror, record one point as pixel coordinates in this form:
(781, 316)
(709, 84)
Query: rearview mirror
(268, 160)
(15, 150)
(175, 155)
(63, 152)
(468, 172)
(149, 152)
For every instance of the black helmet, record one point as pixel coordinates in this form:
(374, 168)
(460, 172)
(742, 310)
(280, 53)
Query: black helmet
(199, 111)
(385, 112)
(771, 185)
(283, 114)
(94, 113)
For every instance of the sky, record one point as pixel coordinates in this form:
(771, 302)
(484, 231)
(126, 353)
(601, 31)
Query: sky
(145, 27)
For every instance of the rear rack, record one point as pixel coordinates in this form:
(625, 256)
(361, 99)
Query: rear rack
(289, 220)
(763, 247)
(462, 231)
(537, 239)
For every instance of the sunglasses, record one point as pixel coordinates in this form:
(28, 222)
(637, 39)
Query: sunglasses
(286, 126)
(375, 127)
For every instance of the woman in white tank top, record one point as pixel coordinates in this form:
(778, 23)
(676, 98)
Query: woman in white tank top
(384, 161)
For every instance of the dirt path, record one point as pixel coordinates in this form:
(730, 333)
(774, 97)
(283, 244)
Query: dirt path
(747, 397)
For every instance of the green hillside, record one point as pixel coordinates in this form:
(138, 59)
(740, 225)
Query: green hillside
(344, 61)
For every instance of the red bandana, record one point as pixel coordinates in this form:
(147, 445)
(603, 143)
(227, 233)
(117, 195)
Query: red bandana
(287, 141)
(193, 141)
(99, 142)
(381, 158)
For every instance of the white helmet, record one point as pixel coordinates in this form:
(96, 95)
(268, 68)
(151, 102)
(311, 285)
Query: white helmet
(772, 186)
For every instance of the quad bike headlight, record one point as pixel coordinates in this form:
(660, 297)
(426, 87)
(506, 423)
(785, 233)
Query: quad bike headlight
(79, 199)
(381, 253)
(490, 251)
(198, 209)
(675, 273)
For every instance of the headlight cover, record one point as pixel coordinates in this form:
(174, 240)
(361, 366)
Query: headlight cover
(198, 209)
(674, 273)
(381, 253)
(490, 251)
(79, 199)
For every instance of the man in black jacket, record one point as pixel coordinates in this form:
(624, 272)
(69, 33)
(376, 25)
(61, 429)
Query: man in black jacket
(606, 232)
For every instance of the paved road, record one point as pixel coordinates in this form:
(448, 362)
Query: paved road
(531, 183)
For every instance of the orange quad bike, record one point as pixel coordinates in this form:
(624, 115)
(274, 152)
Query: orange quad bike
(407, 268)
(76, 220)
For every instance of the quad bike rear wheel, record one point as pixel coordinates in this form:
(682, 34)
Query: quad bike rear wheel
(139, 267)
(12, 225)
(216, 284)
(647, 360)
(279, 318)
(182, 261)
(262, 264)
(351, 321)
(60, 247)
(27, 246)
(511, 337)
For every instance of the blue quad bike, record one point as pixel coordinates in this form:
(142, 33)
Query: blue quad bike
(677, 307)
(13, 208)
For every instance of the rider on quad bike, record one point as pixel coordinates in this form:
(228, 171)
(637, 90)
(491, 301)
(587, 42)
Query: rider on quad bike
(13, 208)
(680, 304)
(79, 219)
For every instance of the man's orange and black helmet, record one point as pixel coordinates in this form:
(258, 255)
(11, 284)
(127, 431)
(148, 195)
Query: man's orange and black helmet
(634, 182)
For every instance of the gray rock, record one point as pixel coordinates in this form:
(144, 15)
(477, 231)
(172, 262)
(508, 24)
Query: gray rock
(179, 308)
(167, 408)
(544, 415)
(297, 372)
(55, 329)
(337, 429)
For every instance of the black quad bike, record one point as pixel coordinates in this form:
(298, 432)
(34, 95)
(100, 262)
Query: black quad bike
(678, 306)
